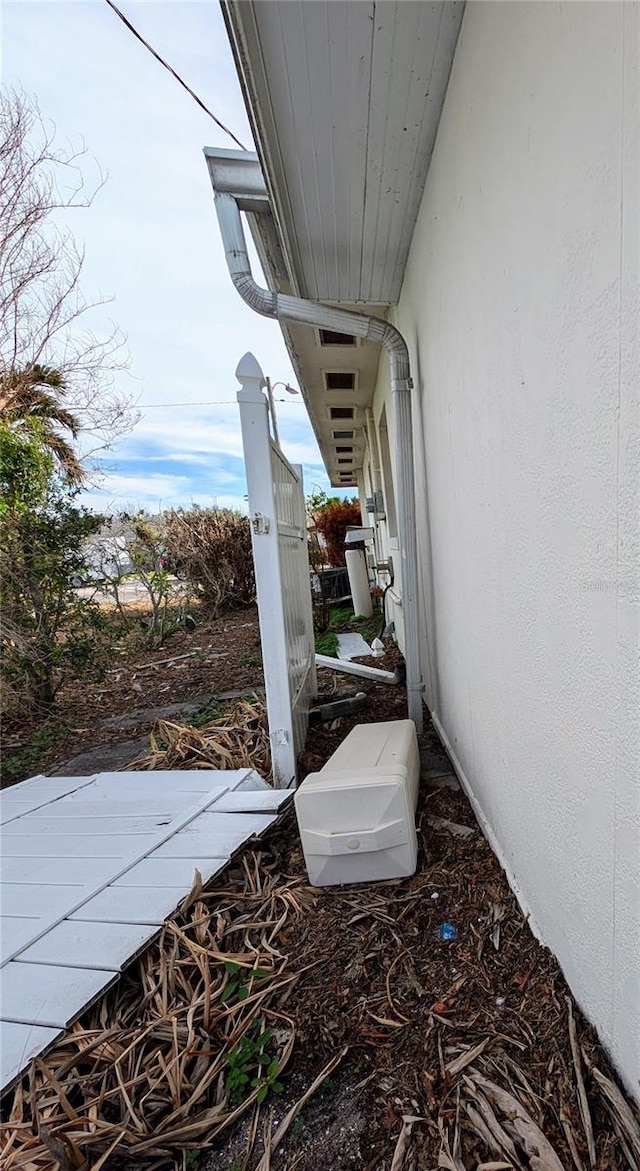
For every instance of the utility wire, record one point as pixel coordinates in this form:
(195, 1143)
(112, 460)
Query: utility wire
(172, 71)
(204, 403)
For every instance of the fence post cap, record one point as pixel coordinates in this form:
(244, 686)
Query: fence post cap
(250, 376)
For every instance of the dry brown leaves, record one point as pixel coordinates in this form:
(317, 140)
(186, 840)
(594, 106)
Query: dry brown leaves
(238, 739)
(511, 1133)
(144, 1076)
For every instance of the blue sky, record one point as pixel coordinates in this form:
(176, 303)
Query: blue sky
(152, 239)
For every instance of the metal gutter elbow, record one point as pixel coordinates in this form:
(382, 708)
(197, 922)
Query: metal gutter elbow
(228, 198)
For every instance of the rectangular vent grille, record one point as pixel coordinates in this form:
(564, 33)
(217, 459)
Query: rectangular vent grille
(331, 337)
(340, 379)
(343, 434)
(345, 461)
(341, 412)
(344, 450)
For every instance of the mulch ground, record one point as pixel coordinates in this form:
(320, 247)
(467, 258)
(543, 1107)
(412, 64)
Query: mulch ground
(422, 1021)
(461, 1052)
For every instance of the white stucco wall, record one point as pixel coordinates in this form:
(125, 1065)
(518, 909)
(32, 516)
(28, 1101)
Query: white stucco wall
(520, 305)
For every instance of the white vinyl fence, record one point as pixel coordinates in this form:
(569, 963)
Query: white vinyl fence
(281, 559)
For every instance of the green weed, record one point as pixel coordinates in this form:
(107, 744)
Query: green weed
(26, 761)
(343, 619)
(199, 719)
(327, 643)
(241, 980)
(254, 660)
(251, 1067)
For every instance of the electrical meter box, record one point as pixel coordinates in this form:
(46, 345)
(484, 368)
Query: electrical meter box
(357, 815)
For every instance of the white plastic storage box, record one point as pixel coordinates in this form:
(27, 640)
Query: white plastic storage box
(357, 815)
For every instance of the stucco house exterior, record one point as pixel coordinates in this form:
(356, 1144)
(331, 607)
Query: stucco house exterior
(470, 175)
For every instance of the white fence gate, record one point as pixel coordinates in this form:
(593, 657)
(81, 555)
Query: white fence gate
(281, 559)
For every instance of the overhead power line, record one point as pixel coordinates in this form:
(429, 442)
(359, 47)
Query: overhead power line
(172, 71)
(205, 403)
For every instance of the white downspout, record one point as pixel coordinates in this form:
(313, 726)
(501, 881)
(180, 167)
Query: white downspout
(372, 440)
(313, 313)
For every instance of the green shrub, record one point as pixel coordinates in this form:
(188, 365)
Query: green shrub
(49, 633)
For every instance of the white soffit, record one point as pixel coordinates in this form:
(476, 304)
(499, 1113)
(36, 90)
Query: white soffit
(345, 100)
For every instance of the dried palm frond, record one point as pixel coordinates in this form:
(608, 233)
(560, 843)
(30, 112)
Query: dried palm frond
(147, 1073)
(238, 739)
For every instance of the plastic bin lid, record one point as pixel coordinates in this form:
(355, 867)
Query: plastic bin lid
(353, 778)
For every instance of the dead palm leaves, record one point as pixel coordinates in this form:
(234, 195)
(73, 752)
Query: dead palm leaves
(145, 1075)
(510, 1133)
(238, 739)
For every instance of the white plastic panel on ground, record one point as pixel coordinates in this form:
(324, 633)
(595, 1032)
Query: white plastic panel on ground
(171, 872)
(91, 868)
(27, 998)
(21, 1042)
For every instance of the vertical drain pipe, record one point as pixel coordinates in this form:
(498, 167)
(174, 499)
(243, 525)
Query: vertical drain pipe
(372, 440)
(313, 313)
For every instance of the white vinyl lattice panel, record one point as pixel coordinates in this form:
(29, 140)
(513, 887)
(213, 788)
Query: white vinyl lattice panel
(281, 559)
(294, 566)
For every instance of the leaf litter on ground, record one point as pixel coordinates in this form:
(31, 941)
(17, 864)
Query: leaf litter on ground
(470, 1053)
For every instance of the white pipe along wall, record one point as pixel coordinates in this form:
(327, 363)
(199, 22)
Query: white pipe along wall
(313, 313)
(520, 308)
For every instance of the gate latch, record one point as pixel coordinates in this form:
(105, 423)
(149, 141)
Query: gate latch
(261, 524)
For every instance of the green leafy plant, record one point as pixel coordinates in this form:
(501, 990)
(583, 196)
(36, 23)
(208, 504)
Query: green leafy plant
(319, 499)
(251, 1067)
(342, 616)
(200, 719)
(240, 981)
(49, 632)
(21, 764)
(267, 1081)
(327, 643)
(341, 619)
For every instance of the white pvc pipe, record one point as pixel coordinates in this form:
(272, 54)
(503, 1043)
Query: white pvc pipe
(375, 673)
(281, 306)
(372, 440)
(359, 582)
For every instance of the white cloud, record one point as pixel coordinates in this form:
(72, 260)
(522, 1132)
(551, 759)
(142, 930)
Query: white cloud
(151, 236)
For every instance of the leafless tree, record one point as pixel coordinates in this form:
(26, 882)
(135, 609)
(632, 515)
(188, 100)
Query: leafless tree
(44, 315)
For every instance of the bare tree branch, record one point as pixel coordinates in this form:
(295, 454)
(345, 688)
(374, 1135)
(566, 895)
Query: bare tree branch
(43, 313)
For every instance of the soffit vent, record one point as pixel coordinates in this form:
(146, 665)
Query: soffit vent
(347, 460)
(344, 450)
(340, 379)
(331, 337)
(341, 413)
(343, 434)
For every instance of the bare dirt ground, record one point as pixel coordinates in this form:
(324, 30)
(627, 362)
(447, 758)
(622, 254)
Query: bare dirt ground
(417, 1023)
(218, 656)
